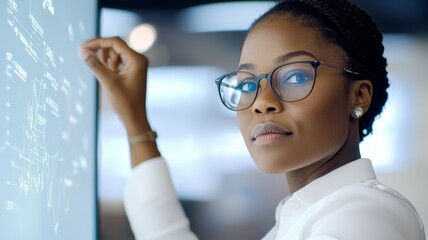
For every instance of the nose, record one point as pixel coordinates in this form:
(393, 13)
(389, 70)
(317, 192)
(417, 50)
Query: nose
(266, 101)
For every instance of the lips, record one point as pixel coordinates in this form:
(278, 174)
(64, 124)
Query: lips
(268, 132)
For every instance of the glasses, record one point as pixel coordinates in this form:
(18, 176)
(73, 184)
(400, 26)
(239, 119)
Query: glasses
(290, 82)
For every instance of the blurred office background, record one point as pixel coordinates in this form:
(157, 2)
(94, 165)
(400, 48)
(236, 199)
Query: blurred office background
(191, 42)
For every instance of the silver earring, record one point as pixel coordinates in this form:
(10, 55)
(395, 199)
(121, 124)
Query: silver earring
(357, 112)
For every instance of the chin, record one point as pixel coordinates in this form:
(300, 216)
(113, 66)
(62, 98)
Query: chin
(270, 169)
(269, 165)
(269, 162)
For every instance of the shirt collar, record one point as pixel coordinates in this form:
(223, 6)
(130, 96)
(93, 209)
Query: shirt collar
(354, 172)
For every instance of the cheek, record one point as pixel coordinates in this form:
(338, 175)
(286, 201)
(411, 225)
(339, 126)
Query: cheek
(243, 121)
(324, 123)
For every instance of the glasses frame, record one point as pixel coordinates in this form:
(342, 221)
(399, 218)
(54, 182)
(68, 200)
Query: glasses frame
(314, 63)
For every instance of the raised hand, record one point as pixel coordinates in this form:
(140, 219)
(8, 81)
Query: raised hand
(122, 73)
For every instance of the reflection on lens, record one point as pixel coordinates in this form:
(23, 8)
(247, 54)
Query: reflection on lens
(237, 90)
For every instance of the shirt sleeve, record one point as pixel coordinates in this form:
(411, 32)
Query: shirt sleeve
(152, 206)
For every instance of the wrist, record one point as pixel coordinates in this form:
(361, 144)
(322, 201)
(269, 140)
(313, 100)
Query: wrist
(149, 136)
(137, 125)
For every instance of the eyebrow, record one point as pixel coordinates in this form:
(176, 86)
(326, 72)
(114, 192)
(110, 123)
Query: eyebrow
(281, 59)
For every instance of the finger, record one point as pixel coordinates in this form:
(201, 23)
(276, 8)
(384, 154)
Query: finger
(113, 61)
(103, 55)
(116, 43)
(101, 72)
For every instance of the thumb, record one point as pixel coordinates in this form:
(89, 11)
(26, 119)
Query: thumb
(98, 68)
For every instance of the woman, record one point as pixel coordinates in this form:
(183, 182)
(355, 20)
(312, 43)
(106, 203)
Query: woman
(311, 81)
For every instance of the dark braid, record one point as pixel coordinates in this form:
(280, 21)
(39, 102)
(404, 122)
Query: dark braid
(347, 26)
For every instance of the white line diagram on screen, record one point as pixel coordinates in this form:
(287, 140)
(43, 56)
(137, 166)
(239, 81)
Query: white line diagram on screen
(41, 104)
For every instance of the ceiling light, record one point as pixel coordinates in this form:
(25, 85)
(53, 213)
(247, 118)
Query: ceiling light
(227, 16)
(142, 37)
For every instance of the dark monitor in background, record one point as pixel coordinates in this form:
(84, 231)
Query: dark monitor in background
(47, 121)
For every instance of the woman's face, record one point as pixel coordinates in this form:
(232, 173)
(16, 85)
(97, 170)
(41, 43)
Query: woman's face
(281, 136)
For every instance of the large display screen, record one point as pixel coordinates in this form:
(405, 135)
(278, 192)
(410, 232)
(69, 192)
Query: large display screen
(47, 121)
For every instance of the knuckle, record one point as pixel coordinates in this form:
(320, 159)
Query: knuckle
(117, 39)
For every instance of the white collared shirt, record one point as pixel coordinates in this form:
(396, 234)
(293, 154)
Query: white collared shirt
(345, 204)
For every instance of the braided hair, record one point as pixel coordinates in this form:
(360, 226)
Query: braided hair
(353, 30)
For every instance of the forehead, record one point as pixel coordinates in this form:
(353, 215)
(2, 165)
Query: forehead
(274, 37)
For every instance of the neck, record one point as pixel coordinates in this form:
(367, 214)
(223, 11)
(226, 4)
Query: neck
(347, 153)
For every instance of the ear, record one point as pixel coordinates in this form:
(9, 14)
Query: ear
(360, 94)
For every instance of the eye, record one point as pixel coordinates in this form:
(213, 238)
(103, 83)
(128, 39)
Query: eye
(296, 77)
(246, 86)
(298, 73)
